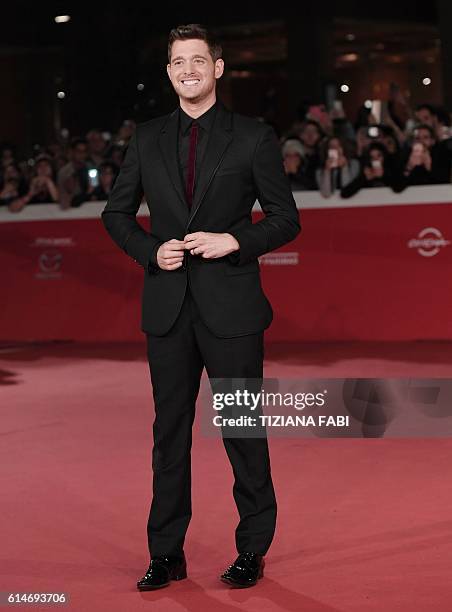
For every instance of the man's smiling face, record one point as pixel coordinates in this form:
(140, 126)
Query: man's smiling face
(192, 70)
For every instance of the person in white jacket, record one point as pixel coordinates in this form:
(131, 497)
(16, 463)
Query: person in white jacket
(337, 169)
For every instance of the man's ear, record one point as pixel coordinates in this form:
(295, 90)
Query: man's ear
(168, 68)
(219, 68)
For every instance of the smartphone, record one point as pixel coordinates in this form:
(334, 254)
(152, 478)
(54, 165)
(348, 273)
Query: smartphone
(93, 177)
(333, 155)
(376, 110)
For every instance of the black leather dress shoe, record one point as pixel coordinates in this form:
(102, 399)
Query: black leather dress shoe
(161, 571)
(245, 571)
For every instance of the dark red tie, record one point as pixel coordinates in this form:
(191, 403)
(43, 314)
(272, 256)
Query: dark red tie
(191, 162)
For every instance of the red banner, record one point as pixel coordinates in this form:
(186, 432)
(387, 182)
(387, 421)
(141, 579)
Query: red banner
(373, 270)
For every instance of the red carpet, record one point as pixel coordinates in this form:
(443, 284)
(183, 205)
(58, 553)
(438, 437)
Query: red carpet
(363, 525)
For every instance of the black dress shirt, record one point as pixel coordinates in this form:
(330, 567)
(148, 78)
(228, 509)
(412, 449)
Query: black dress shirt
(205, 123)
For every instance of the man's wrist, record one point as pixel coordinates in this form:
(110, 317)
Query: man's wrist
(235, 255)
(235, 246)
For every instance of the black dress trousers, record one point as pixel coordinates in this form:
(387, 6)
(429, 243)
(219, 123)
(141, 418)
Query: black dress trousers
(176, 361)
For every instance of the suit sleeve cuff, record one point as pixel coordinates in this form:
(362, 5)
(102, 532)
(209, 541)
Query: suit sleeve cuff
(153, 266)
(252, 242)
(234, 257)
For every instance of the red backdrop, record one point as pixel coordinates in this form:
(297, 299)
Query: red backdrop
(377, 269)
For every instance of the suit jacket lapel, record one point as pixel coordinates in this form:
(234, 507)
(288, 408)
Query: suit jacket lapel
(220, 138)
(168, 147)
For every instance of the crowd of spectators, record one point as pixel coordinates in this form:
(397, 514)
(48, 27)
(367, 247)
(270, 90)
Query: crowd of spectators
(68, 174)
(325, 151)
(322, 151)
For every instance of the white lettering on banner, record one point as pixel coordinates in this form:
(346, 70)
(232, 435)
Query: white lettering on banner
(279, 259)
(428, 242)
(54, 242)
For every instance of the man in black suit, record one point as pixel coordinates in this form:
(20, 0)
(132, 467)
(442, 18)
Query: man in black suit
(201, 169)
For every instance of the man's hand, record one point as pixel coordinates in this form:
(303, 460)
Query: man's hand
(210, 245)
(170, 254)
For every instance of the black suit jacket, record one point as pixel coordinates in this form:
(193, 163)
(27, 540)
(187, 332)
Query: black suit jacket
(242, 162)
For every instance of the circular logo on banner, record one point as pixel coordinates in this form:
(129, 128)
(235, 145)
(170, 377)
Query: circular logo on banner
(429, 242)
(50, 261)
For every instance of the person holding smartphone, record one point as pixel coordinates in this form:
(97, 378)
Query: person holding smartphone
(100, 184)
(425, 162)
(12, 185)
(375, 171)
(337, 169)
(73, 177)
(419, 159)
(42, 188)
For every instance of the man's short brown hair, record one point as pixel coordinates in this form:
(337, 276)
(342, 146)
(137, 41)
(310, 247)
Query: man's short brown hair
(195, 30)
